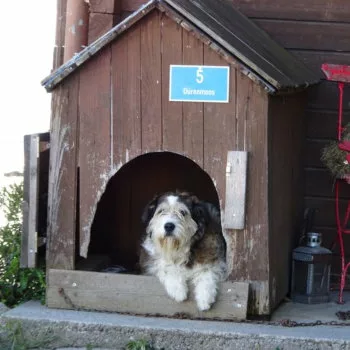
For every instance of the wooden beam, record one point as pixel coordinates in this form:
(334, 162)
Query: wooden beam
(138, 295)
(30, 201)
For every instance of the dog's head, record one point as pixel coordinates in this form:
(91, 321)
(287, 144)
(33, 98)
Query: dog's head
(173, 220)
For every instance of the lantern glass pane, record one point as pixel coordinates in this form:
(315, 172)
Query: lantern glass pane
(311, 279)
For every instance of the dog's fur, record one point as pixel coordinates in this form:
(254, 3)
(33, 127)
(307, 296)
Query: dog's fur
(184, 243)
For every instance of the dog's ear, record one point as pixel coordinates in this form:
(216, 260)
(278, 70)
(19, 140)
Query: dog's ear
(201, 216)
(149, 211)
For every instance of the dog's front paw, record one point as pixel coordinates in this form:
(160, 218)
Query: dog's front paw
(205, 304)
(177, 291)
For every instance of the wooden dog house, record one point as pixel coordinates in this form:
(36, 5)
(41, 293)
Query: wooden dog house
(117, 140)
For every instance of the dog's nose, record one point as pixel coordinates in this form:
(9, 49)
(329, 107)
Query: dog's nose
(169, 227)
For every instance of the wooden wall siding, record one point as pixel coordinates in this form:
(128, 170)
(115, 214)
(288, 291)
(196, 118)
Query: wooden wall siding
(63, 175)
(58, 51)
(286, 141)
(317, 10)
(126, 82)
(316, 36)
(171, 112)
(151, 89)
(308, 35)
(193, 123)
(99, 24)
(94, 141)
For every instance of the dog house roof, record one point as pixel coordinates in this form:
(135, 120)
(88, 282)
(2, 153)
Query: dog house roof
(226, 30)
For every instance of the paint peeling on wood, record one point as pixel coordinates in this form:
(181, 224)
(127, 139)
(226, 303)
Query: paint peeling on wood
(105, 178)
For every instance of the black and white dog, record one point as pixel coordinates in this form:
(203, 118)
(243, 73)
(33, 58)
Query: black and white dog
(184, 243)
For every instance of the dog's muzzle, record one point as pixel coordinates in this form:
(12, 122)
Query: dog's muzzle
(169, 228)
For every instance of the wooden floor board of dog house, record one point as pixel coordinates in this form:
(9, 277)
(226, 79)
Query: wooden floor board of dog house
(138, 295)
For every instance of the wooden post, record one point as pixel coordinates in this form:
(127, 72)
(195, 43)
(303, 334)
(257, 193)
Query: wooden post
(76, 33)
(30, 201)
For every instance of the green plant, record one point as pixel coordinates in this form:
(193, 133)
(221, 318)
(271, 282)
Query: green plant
(16, 284)
(139, 345)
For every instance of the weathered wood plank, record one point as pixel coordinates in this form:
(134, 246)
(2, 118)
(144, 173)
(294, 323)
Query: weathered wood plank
(137, 294)
(326, 96)
(322, 124)
(94, 140)
(126, 72)
(308, 35)
(250, 247)
(314, 59)
(58, 52)
(325, 215)
(192, 52)
(30, 201)
(320, 183)
(99, 24)
(132, 5)
(151, 83)
(219, 117)
(172, 118)
(317, 10)
(236, 181)
(285, 185)
(313, 151)
(105, 6)
(63, 176)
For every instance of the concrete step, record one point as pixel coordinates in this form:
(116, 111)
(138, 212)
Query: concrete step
(40, 327)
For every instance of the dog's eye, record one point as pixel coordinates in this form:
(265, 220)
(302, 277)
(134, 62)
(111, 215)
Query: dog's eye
(160, 211)
(183, 212)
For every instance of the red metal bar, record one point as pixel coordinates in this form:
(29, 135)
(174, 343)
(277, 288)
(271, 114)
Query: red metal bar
(340, 74)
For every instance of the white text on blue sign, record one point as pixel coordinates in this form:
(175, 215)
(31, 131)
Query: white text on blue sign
(199, 83)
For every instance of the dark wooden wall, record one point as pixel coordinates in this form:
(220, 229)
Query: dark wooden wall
(316, 32)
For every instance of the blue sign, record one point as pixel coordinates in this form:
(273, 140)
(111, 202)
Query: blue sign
(199, 83)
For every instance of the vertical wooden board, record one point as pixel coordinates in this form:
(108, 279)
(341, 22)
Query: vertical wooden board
(193, 123)
(255, 253)
(235, 199)
(105, 6)
(95, 139)
(58, 52)
(172, 119)
(249, 247)
(219, 127)
(126, 97)
(99, 24)
(63, 175)
(151, 83)
(30, 201)
(244, 90)
(286, 138)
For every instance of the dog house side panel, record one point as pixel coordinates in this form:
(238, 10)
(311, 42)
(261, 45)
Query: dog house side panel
(126, 96)
(94, 140)
(249, 247)
(63, 175)
(286, 186)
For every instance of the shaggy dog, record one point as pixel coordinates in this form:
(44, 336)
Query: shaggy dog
(184, 243)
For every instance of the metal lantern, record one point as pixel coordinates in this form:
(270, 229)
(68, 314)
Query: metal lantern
(311, 271)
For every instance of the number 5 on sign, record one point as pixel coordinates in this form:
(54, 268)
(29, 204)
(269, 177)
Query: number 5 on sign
(199, 75)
